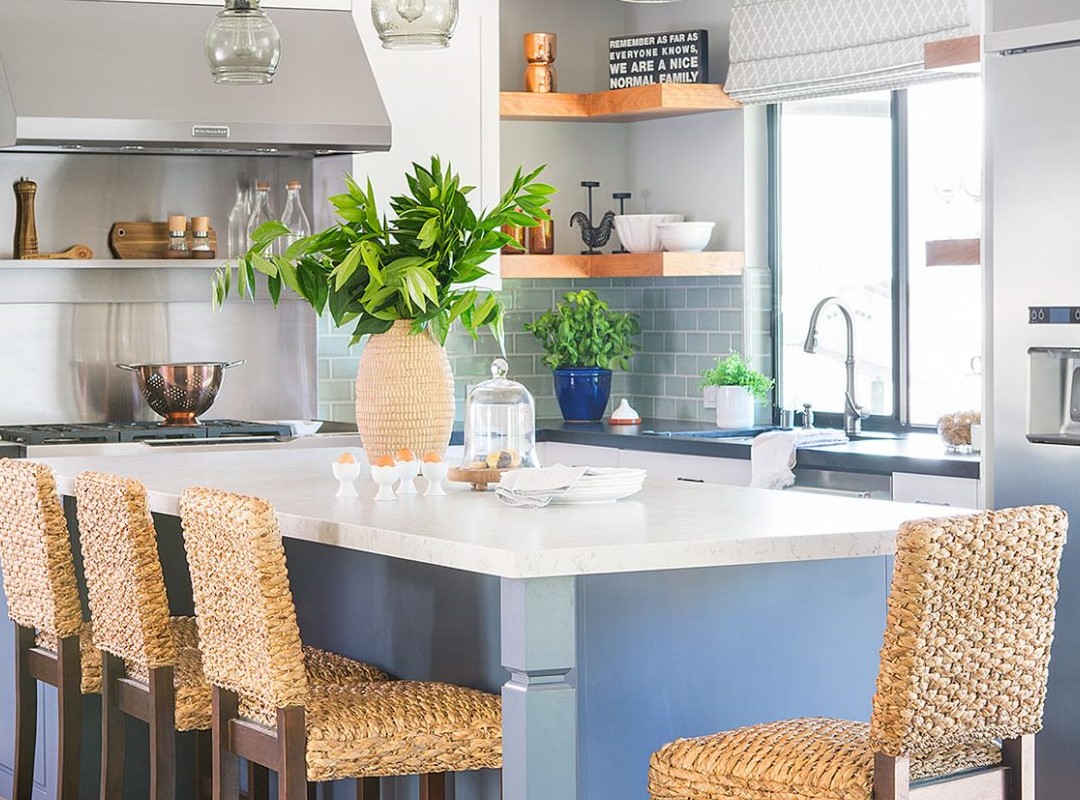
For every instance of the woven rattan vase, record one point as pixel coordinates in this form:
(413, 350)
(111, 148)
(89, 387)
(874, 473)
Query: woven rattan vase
(404, 393)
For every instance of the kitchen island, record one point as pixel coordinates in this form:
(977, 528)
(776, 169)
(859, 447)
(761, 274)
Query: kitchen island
(609, 628)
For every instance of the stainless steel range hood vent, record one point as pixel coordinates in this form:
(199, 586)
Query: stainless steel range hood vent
(102, 76)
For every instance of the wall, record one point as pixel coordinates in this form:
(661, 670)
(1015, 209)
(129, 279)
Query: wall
(691, 165)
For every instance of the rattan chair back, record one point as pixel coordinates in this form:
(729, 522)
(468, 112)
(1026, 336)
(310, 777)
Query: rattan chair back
(969, 627)
(124, 581)
(35, 551)
(248, 633)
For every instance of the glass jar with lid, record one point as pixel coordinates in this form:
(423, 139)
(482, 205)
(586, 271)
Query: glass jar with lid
(500, 423)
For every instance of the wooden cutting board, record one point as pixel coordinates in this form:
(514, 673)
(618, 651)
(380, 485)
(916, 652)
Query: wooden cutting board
(147, 240)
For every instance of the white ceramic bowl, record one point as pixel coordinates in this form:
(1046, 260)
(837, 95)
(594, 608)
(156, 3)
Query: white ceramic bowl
(685, 237)
(637, 232)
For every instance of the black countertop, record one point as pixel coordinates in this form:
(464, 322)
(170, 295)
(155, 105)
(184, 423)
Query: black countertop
(8, 450)
(873, 453)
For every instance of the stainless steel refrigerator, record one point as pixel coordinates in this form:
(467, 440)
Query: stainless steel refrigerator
(1032, 260)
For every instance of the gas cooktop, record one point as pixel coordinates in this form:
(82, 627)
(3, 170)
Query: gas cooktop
(108, 432)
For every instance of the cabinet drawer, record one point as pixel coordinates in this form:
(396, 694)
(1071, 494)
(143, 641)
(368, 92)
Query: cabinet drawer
(729, 471)
(935, 489)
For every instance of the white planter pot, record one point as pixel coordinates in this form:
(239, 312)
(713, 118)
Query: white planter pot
(734, 407)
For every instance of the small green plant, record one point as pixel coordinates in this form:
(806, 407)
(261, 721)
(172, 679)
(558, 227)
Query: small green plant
(416, 266)
(581, 331)
(733, 371)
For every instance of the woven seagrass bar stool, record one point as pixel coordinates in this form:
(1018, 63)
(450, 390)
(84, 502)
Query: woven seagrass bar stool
(152, 664)
(52, 641)
(960, 689)
(265, 710)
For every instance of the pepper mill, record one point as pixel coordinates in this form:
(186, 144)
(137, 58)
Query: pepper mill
(540, 55)
(26, 239)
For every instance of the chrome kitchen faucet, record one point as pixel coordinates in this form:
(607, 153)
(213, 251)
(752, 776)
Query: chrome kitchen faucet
(853, 412)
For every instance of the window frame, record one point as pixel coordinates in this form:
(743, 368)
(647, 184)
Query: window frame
(899, 421)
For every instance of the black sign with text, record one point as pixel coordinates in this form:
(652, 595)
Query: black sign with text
(672, 57)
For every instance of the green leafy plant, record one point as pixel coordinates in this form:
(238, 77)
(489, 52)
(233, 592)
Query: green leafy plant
(374, 271)
(581, 331)
(733, 371)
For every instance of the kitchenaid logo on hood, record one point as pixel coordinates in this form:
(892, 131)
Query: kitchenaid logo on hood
(210, 131)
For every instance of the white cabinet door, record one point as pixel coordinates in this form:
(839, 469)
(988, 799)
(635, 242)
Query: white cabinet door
(700, 469)
(936, 489)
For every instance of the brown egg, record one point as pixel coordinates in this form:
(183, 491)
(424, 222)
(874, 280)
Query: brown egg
(404, 454)
(384, 461)
(431, 457)
(346, 458)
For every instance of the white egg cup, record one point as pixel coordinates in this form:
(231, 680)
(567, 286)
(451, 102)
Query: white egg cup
(408, 471)
(385, 477)
(346, 473)
(435, 472)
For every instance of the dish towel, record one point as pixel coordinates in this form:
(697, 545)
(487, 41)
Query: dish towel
(535, 488)
(772, 454)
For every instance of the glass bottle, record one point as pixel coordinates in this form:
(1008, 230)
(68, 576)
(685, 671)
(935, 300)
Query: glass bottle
(178, 247)
(294, 217)
(238, 222)
(261, 213)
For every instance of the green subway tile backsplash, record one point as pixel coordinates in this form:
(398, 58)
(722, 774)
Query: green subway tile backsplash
(686, 323)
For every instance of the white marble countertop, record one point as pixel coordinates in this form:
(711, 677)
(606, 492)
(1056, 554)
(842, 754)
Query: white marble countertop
(669, 525)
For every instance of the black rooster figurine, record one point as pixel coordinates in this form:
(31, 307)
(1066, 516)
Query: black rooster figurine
(594, 236)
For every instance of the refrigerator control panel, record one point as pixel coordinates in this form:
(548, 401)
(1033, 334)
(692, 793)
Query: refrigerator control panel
(1054, 315)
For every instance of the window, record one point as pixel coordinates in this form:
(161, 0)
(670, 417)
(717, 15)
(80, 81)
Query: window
(864, 182)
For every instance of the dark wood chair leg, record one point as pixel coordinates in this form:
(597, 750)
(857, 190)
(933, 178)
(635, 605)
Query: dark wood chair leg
(162, 734)
(69, 724)
(1019, 756)
(892, 779)
(367, 789)
(204, 745)
(258, 781)
(112, 728)
(25, 716)
(292, 754)
(312, 791)
(433, 786)
(226, 766)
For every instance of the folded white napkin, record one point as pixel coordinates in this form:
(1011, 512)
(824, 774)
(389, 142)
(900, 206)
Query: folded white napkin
(535, 488)
(772, 454)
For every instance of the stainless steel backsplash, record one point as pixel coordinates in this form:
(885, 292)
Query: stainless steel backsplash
(64, 326)
(63, 329)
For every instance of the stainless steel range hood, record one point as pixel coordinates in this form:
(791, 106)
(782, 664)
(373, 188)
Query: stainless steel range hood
(130, 76)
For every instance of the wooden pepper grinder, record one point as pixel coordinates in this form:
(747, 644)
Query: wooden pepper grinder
(26, 240)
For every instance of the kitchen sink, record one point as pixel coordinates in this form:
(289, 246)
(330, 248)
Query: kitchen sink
(718, 433)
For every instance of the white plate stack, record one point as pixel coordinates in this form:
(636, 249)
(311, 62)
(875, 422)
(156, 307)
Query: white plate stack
(603, 484)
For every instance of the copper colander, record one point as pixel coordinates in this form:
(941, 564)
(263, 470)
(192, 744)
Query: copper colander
(180, 392)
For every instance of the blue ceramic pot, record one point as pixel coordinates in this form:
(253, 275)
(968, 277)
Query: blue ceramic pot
(582, 392)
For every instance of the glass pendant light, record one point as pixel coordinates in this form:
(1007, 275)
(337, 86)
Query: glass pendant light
(242, 45)
(414, 24)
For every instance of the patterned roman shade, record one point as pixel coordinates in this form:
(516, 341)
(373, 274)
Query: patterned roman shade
(793, 49)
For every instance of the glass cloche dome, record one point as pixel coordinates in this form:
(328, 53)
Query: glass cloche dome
(500, 423)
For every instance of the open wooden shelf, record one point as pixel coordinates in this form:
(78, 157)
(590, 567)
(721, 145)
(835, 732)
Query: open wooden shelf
(624, 265)
(655, 101)
(953, 252)
(954, 55)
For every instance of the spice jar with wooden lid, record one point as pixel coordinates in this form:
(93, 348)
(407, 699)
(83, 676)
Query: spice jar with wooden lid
(178, 246)
(200, 228)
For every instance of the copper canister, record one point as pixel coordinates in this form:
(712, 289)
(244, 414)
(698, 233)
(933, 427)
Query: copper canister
(517, 233)
(540, 48)
(540, 73)
(541, 239)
